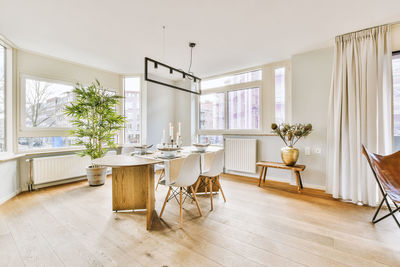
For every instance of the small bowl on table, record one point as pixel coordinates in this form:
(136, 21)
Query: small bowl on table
(169, 152)
(200, 147)
(142, 149)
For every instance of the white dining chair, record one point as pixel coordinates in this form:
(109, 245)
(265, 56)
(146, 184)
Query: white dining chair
(187, 176)
(211, 176)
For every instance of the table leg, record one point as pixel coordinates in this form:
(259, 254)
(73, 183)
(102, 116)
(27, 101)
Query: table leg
(150, 201)
(261, 176)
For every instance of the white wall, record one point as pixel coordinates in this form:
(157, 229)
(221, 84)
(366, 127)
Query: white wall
(160, 111)
(310, 85)
(311, 80)
(9, 180)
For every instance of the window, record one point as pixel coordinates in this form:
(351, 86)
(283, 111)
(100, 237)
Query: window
(243, 109)
(132, 110)
(43, 124)
(44, 104)
(230, 103)
(49, 142)
(280, 95)
(211, 139)
(246, 77)
(212, 111)
(396, 99)
(2, 96)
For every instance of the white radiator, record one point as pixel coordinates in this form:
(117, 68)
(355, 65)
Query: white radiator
(240, 155)
(52, 169)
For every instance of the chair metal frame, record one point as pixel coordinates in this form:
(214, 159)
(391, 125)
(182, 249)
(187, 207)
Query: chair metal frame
(384, 194)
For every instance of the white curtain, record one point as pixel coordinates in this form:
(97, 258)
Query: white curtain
(360, 112)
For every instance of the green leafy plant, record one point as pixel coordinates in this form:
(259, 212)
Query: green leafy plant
(290, 134)
(93, 114)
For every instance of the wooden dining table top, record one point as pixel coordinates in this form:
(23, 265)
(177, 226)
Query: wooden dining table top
(124, 161)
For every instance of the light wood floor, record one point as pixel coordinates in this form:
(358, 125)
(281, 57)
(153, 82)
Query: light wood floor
(73, 225)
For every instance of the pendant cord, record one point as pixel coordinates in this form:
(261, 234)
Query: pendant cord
(191, 58)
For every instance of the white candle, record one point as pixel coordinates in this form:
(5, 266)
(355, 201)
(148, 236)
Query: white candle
(170, 130)
(179, 128)
(163, 136)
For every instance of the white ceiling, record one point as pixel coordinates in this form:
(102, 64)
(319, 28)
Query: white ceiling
(231, 34)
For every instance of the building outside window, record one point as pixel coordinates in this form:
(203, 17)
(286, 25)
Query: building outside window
(132, 110)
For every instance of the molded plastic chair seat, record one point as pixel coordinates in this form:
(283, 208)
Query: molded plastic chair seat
(211, 176)
(187, 176)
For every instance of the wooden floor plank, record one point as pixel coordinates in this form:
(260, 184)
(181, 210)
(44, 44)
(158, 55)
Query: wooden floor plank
(73, 225)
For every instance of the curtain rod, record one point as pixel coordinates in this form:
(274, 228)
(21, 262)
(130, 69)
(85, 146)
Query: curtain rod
(387, 24)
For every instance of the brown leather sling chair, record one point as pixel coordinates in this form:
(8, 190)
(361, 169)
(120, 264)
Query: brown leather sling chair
(386, 170)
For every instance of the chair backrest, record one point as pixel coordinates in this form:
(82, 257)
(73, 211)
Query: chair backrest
(190, 171)
(387, 172)
(217, 166)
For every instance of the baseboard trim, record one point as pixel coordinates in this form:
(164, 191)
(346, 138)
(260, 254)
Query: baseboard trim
(277, 179)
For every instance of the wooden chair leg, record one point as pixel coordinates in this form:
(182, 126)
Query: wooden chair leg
(165, 202)
(159, 178)
(265, 174)
(220, 188)
(261, 175)
(180, 208)
(197, 203)
(205, 185)
(211, 191)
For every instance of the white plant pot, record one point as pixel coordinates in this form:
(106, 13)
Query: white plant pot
(96, 176)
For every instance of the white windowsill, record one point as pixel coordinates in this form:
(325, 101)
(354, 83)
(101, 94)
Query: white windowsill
(4, 156)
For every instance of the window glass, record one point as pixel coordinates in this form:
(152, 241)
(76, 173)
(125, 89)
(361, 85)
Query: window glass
(44, 104)
(396, 99)
(280, 95)
(245, 77)
(211, 139)
(212, 111)
(2, 97)
(244, 109)
(37, 143)
(132, 109)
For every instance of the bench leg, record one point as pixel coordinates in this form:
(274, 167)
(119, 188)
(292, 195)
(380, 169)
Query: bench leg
(261, 175)
(265, 174)
(299, 182)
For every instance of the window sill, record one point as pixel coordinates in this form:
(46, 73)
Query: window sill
(249, 134)
(9, 156)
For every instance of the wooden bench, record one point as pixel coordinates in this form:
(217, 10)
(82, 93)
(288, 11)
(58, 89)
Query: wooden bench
(268, 164)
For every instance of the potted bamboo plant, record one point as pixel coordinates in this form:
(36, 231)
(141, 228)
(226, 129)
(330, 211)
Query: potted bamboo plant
(96, 122)
(290, 134)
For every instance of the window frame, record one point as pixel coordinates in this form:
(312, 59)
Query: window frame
(24, 131)
(225, 90)
(5, 148)
(141, 78)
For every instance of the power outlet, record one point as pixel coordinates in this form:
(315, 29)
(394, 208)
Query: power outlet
(317, 150)
(307, 151)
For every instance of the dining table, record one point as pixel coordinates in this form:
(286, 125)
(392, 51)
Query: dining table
(132, 183)
(133, 177)
(173, 164)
